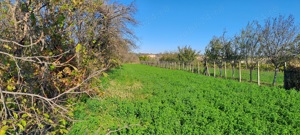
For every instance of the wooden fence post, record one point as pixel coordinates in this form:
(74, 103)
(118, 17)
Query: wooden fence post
(198, 68)
(240, 72)
(214, 69)
(175, 67)
(225, 73)
(207, 71)
(258, 75)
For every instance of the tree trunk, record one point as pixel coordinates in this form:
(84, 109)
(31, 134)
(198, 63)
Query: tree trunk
(240, 72)
(251, 70)
(198, 68)
(225, 71)
(214, 69)
(258, 74)
(232, 68)
(275, 75)
(220, 68)
(207, 69)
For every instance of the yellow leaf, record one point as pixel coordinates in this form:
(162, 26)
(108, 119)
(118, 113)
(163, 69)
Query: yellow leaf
(10, 87)
(62, 131)
(104, 74)
(78, 48)
(46, 115)
(7, 47)
(4, 122)
(50, 121)
(3, 130)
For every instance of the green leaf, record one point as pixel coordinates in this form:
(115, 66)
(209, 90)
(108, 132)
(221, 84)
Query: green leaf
(23, 122)
(41, 125)
(20, 126)
(61, 19)
(15, 115)
(32, 17)
(63, 121)
(24, 115)
(46, 115)
(52, 67)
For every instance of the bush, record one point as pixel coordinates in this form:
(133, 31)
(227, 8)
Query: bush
(292, 75)
(49, 58)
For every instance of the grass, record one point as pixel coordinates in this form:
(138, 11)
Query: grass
(140, 99)
(266, 77)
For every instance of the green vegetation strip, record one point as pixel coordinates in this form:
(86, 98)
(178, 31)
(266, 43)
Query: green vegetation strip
(140, 99)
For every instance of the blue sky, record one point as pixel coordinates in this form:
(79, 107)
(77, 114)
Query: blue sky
(166, 24)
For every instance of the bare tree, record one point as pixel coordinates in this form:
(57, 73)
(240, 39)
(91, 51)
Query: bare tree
(218, 50)
(248, 41)
(235, 54)
(278, 40)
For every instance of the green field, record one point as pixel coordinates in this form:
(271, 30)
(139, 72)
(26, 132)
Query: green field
(140, 99)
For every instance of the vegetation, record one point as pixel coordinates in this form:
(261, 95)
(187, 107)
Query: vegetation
(51, 52)
(186, 54)
(279, 41)
(218, 50)
(250, 49)
(144, 58)
(169, 56)
(140, 99)
(275, 41)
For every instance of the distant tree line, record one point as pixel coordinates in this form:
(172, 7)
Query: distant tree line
(185, 54)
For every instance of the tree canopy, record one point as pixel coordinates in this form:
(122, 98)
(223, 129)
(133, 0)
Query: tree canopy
(186, 54)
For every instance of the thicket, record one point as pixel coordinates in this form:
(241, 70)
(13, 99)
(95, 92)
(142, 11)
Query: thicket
(51, 52)
(292, 75)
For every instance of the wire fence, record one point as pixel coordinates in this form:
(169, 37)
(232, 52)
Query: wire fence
(239, 71)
